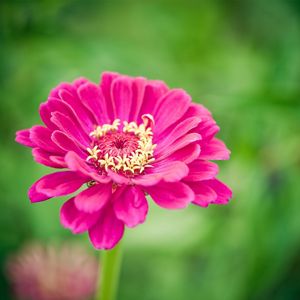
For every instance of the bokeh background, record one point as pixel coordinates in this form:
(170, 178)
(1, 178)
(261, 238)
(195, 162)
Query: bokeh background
(241, 59)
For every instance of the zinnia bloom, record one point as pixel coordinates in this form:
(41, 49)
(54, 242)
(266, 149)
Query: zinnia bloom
(124, 138)
(48, 273)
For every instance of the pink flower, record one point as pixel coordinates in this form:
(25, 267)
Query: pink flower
(124, 138)
(48, 273)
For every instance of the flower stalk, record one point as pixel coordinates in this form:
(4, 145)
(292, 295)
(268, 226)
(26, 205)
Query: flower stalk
(110, 266)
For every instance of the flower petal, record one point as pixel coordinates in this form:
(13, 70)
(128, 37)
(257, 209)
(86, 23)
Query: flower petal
(77, 83)
(64, 142)
(23, 138)
(223, 192)
(92, 97)
(77, 164)
(46, 159)
(77, 221)
(214, 150)
(208, 128)
(204, 194)
(66, 125)
(58, 160)
(201, 170)
(168, 137)
(131, 206)
(36, 196)
(154, 90)
(86, 117)
(59, 184)
(138, 91)
(41, 136)
(186, 154)
(196, 109)
(57, 105)
(172, 107)
(106, 82)
(171, 195)
(177, 145)
(118, 178)
(170, 171)
(45, 114)
(107, 232)
(122, 97)
(93, 198)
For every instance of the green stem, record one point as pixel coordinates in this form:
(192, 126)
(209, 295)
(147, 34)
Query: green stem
(110, 266)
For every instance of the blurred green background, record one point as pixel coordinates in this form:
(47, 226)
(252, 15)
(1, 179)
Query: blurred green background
(241, 59)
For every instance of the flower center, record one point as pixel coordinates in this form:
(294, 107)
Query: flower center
(126, 149)
(118, 143)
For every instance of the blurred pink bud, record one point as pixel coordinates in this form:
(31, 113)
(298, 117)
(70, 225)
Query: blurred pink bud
(49, 273)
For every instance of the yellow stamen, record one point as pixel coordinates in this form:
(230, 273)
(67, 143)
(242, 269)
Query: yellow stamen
(102, 130)
(93, 153)
(139, 159)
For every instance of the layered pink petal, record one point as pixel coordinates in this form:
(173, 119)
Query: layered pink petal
(58, 160)
(92, 97)
(36, 196)
(80, 110)
(76, 220)
(47, 159)
(138, 92)
(66, 125)
(77, 83)
(199, 110)
(78, 165)
(208, 129)
(23, 138)
(186, 154)
(171, 195)
(118, 178)
(121, 93)
(106, 83)
(210, 192)
(201, 170)
(172, 107)
(57, 105)
(223, 192)
(170, 171)
(64, 142)
(153, 95)
(177, 145)
(170, 136)
(204, 194)
(56, 184)
(41, 136)
(93, 198)
(131, 206)
(63, 85)
(107, 232)
(45, 114)
(214, 150)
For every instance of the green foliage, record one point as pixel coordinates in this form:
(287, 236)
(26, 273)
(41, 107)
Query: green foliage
(241, 60)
